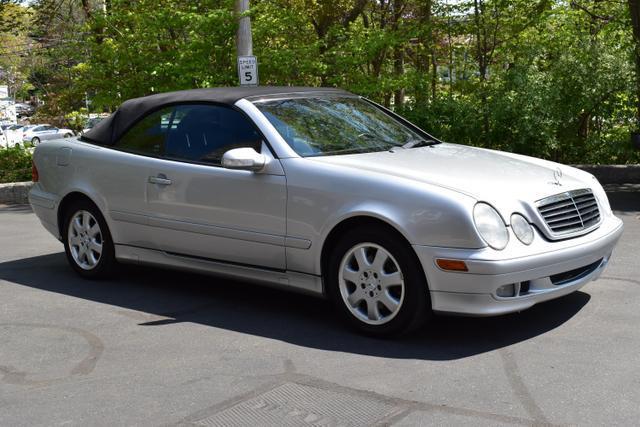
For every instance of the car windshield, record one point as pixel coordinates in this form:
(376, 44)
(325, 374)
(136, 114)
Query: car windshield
(335, 125)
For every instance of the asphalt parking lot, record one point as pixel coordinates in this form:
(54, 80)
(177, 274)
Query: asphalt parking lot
(167, 348)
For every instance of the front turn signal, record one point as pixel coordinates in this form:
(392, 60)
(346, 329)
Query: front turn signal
(451, 264)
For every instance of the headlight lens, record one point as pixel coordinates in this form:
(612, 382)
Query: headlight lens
(522, 229)
(490, 226)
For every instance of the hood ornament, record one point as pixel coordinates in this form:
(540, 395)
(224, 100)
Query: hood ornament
(557, 174)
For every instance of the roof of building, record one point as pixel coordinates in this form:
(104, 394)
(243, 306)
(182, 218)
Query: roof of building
(109, 130)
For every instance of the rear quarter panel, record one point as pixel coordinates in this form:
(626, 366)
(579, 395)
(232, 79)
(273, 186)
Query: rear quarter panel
(115, 181)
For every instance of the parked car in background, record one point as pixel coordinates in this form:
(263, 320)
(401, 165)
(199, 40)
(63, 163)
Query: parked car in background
(91, 123)
(11, 135)
(24, 110)
(324, 192)
(3, 138)
(38, 133)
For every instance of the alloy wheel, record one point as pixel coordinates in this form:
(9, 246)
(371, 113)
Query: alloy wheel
(85, 240)
(371, 283)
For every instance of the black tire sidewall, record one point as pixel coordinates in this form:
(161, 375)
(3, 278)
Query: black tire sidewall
(416, 305)
(105, 265)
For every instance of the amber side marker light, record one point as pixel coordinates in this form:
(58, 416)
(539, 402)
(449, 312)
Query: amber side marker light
(34, 172)
(452, 264)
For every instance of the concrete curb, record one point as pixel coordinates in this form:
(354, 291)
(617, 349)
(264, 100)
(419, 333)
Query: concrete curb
(15, 192)
(614, 174)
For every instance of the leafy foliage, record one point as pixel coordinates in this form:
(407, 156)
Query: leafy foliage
(548, 78)
(15, 164)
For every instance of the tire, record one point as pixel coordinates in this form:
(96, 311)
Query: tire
(89, 249)
(35, 141)
(381, 299)
(66, 135)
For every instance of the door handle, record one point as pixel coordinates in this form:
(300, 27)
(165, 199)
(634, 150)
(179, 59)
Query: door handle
(160, 180)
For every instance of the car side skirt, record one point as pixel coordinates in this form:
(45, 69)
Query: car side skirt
(287, 280)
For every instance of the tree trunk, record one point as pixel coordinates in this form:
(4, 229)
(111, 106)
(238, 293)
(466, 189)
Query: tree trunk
(398, 71)
(434, 74)
(424, 53)
(634, 9)
(398, 55)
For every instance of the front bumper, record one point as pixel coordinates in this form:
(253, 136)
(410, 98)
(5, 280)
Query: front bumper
(533, 270)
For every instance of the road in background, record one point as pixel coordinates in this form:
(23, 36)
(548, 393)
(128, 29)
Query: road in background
(153, 347)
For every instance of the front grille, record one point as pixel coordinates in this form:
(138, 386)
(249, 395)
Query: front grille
(570, 212)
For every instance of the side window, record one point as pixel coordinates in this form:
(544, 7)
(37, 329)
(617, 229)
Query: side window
(148, 135)
(203, 133)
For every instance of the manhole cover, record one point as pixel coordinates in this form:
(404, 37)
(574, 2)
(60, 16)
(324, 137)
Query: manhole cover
(295, 404)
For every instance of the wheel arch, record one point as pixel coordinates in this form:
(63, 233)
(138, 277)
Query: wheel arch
(67, 201)
(352, 222)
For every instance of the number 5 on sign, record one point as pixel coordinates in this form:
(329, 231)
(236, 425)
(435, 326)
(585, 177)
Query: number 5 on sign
(248, 70)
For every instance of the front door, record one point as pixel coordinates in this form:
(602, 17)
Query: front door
(197, 208)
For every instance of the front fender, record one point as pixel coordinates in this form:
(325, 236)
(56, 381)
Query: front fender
(321, 196)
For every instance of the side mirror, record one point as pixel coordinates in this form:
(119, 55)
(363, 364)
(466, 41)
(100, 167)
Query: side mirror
(243, 159)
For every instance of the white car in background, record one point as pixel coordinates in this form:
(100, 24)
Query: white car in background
(3, 138)
(10, 135)
(91, 123)
(39, 133)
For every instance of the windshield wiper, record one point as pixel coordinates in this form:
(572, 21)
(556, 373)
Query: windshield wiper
(419, 143)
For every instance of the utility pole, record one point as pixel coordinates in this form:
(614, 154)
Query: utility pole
(244, 42)
(247, 63)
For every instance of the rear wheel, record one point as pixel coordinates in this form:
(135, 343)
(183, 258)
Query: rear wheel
(376, 282)
(87, 241)
(67, 135)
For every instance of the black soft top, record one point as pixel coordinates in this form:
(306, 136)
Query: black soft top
(109, 130)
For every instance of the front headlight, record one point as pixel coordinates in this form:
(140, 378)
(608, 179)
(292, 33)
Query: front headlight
(522, 229)
(490, 226)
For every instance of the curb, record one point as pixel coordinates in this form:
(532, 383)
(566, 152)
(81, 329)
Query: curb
(15, 192)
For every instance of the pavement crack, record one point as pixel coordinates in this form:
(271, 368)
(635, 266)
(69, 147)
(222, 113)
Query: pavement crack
(84, 367)
(520, 388)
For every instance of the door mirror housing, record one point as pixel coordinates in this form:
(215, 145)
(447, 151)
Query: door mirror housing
(243, 159)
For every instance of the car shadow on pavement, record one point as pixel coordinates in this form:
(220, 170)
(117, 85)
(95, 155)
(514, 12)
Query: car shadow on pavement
(160, 298)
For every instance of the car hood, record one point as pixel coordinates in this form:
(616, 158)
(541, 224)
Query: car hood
(487, 175)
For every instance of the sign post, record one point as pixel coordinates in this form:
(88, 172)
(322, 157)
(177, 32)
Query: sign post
(248, 70)
(247, 63)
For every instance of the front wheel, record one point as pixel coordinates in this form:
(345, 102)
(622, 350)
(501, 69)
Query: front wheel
(376, 282)
(35, 141)
(87, 241)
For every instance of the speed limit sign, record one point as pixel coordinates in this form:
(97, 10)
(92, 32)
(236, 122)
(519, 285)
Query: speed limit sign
(248, 70)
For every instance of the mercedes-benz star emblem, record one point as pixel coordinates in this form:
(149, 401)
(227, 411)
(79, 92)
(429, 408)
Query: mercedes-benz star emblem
(557, 174)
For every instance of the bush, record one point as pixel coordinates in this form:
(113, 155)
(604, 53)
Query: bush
(15, 164)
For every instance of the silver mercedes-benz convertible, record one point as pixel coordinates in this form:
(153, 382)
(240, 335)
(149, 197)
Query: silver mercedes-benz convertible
(325, 192)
